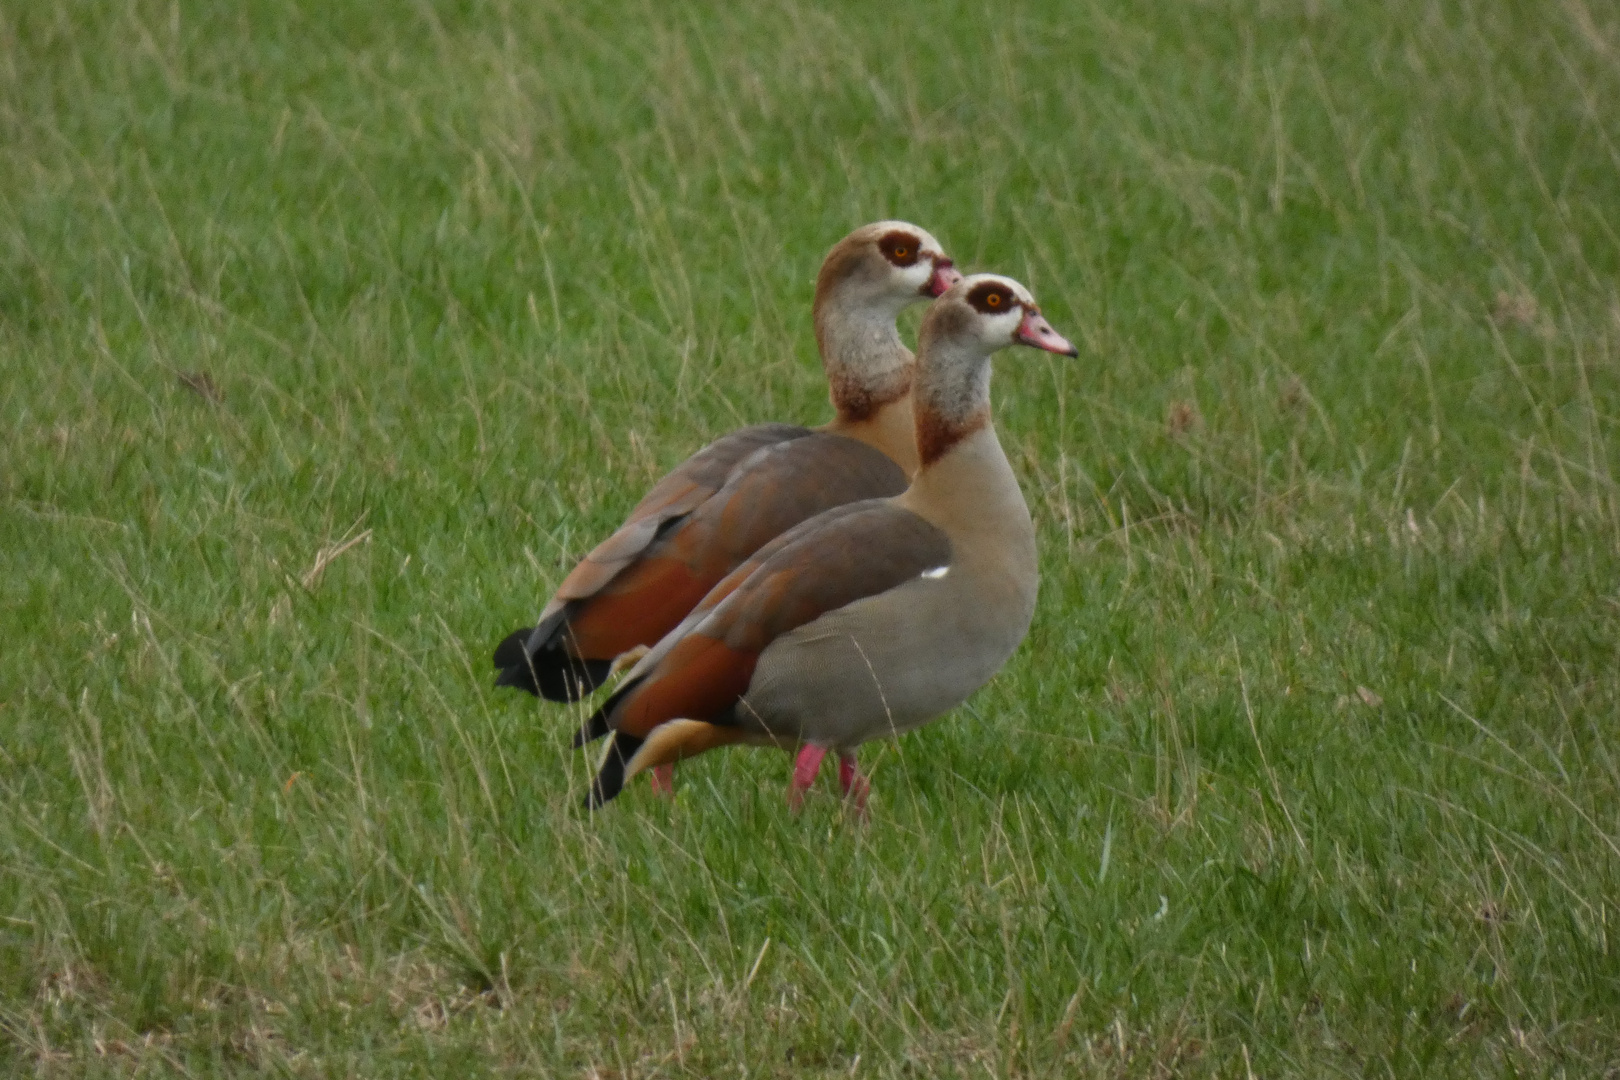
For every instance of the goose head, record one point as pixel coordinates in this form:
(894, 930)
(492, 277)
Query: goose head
(995, 312)
(885, 267)
(978, 316)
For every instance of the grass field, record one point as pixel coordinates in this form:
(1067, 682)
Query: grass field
(331, 334)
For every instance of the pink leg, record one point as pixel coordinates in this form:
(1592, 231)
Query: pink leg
(662, 779)
(856, 787)
(805, 768)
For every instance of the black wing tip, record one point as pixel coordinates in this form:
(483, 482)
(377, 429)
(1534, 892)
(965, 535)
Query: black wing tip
(510, 652)
(536, 659)
(554, 675)
(610, 777)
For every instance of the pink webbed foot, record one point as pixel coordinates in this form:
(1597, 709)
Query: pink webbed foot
(662, 779)
(856, 787)
(805, 768)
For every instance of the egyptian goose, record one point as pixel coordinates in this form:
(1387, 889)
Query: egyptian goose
(724, 502)
(872, 618)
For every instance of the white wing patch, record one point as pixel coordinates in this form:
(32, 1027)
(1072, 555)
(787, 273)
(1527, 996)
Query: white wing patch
(936, 573)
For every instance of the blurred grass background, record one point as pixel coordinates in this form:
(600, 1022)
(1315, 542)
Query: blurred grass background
(331, 334)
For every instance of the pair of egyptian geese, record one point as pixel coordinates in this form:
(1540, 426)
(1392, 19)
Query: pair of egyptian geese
(814, 588)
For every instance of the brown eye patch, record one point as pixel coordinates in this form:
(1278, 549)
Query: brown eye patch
(992, 298)
(900, 248)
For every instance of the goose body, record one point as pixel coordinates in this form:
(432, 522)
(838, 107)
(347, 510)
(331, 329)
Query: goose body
(870, 619)
(891, 661)
(726, 501)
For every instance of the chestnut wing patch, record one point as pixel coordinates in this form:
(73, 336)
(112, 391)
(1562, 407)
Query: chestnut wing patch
(647, 594)
(597, 726)
(869, 550)
(543, 660)
(785, 485)
(825, 564)
(685, 489)
(732, 581)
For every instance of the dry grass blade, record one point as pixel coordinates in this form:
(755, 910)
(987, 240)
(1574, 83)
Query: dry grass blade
(330, 554)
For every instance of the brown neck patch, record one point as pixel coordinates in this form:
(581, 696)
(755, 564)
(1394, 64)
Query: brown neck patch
(936, 434)
(858, 400)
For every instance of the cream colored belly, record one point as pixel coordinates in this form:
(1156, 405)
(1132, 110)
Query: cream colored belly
(889, 663)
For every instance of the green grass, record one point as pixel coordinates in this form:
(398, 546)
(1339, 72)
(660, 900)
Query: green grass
(1307, 768)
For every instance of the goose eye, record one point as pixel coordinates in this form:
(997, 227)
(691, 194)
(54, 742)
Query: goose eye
(991, 298)
(900, 248)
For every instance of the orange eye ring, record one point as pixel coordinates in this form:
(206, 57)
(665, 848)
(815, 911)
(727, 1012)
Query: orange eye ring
(993, 300)
(901, 252)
